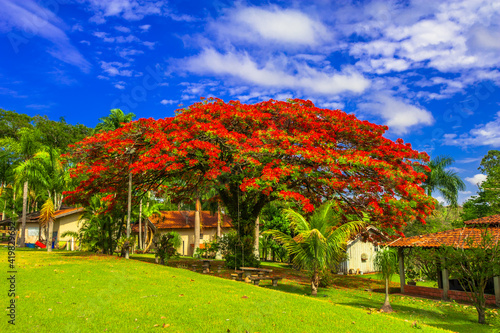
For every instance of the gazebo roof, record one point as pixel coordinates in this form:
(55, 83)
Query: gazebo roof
(455, 237)
(493, 219)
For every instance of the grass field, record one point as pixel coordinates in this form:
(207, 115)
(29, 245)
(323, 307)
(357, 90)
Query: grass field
(395, 279)
(81, 292)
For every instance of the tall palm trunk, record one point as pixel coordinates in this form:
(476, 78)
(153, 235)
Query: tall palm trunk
(387, 306)
(23, 220)
(49, 236)
(197, 225)
(129, 207)
(314, 283)
(140, 225)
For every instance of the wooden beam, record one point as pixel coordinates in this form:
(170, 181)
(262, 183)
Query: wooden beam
(401, 257)
(496, 284)
(446, 281)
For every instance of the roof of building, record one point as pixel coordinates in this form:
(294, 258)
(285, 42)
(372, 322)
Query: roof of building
(493, 219)
(64, 211)
(185, 220)
(455, 238)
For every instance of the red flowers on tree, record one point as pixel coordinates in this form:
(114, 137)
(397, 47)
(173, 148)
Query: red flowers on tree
(253, 154)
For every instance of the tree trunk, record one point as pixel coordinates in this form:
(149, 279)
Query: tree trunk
(49, 236)
(256, 240)
(387, 306)
(480, 315)
(219, 219)
(197, 225)
(140, 225)
(314, 284)
(218, 255)
(129, 208)
(23, 220)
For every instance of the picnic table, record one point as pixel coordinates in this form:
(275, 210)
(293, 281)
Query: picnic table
(206, 264)
(247, 271)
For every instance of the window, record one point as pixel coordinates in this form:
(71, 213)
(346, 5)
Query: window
(375, 248)
(33, 231)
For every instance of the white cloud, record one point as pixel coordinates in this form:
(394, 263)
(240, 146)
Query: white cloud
(131, 10)
(276, 74)
(116, 68)
(28, 16)
(483, 135)
(399, 114)
(477, 179)
(168, 101)
(145, 27)
(120, 85)
(126, 53)
(278, 25)
(118, 39)
(440, 199)
(122, 29)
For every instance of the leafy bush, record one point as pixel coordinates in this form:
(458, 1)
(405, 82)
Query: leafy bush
(238, 251)
(167, 245)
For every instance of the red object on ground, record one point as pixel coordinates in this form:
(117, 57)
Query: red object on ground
(40, 244)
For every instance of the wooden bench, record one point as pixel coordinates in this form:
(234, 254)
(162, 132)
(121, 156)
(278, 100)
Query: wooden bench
(237, 275)
(257, 279)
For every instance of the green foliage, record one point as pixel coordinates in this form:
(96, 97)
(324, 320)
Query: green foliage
(442, 218)
(209, 250)
(421, 264)
(167, 245)
(238, 250)
(476, 207)
(114, 120)
(386, 262)
(100, 229)
(320, 241)
(473, 264)
(447, 182)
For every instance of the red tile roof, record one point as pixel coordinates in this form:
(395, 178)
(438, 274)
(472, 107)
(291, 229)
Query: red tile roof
(33, 217)
(493, 219)
(455, 237)
(185, 220)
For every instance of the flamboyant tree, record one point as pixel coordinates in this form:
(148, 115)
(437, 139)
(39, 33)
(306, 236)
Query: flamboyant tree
(254, 154)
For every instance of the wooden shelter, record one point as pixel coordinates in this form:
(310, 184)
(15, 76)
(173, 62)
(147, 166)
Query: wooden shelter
(473, 230)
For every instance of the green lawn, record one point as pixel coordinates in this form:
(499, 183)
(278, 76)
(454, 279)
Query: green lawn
(80, 292)
(395, 279)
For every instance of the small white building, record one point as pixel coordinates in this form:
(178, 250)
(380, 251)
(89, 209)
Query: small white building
(360, 254)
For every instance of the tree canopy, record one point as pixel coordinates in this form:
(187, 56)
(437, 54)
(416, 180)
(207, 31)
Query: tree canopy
(256, 153)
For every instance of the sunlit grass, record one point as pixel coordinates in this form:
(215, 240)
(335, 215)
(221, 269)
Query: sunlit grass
(80, 292)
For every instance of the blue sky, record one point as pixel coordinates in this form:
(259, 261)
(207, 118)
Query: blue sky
(427, 69)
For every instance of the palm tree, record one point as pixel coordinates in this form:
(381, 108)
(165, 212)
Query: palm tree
(47, 216)
(320, 241)
(447, 182)
(25, 148)
(151, 209)
(115, 120)
(385, 262)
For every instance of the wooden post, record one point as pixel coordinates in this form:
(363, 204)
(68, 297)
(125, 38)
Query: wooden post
(496, 284)
(129, 207)
(401, 269)
(446, 281)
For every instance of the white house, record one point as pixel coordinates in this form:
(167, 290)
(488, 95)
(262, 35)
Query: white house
(360, 254)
